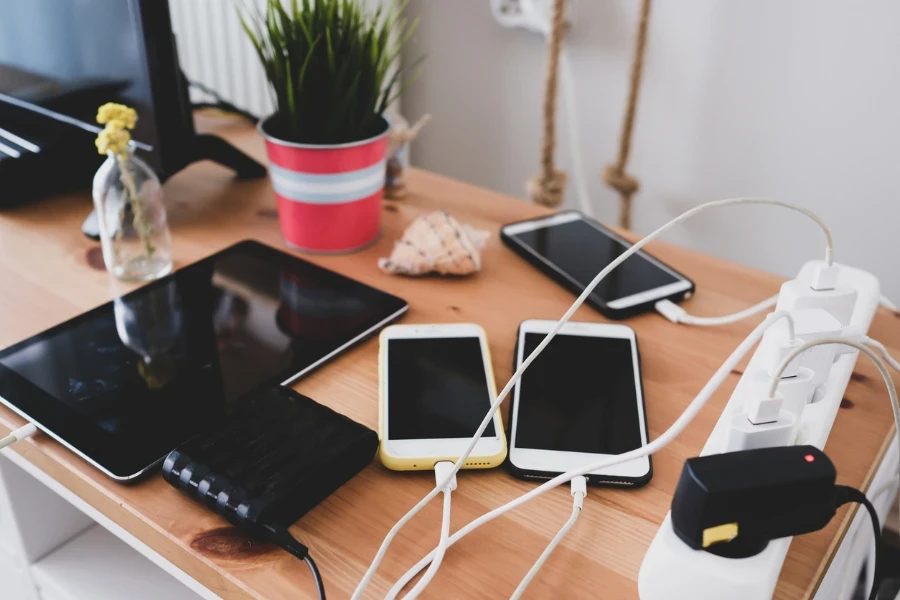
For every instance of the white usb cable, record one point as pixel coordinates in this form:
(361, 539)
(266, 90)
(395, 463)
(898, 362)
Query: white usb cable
(443, 471)
(884, 355)
(859, 345)
(24, 432)
(662, 441)
(579, 491)
(829, 260)
(677, 314)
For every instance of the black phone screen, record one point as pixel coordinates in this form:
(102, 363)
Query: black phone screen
(437, 388)
(581, 250)
(579, 395)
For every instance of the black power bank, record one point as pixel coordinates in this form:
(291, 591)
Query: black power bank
(275, 458)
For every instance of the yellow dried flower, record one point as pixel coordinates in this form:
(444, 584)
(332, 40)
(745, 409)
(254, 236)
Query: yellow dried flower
(117, 112)
(114, 138)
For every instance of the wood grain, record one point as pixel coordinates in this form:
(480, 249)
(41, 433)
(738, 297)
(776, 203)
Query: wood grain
(48, 277)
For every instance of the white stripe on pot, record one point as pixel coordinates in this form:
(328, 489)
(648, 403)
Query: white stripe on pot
(331, 196)
(327, 178)
(328, 184)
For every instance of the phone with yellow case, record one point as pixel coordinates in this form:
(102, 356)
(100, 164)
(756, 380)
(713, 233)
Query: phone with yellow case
(436, 385)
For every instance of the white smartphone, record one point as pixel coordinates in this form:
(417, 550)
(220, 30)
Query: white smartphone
(580, 400)
(571, 249)
(436, 386)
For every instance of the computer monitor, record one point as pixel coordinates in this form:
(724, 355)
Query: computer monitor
(70, 56)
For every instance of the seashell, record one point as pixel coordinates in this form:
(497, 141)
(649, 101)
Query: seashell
(436, 243)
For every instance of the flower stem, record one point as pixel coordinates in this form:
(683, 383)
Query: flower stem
(143, 228)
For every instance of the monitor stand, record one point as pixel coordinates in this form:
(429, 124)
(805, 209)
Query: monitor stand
(210, 147)
(205, 147)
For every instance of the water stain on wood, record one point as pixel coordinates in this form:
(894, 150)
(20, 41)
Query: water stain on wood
(389, 207)
(228, 542)
(846, 403)
(859, 377)
(94, 258)
(455, 309)
(737, 372)
(267, 213)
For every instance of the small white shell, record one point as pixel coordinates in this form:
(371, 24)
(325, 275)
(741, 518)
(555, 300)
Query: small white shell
(436, 243)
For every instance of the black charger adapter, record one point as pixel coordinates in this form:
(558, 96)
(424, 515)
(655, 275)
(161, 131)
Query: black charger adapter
(732, 504)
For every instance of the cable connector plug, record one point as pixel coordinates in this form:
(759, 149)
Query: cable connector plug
(764, 409)
(442, 471)
(824, 277)
(17, 435)
(670, 311)
(280, 536)
(579, 490)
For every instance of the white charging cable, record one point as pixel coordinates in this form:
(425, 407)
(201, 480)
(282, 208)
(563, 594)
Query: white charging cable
(677, 314)
(829, 260)
(579, 491)
(859, 345)
(886, 302)
(662, 441)
(442, 471)
(24, 432)
(884, 355)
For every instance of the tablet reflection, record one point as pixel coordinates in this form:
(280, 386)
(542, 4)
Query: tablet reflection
(151, 325)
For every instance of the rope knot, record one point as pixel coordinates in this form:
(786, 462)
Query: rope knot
(619, 180)
(547, 191)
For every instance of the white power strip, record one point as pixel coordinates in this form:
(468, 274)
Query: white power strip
(671, 569)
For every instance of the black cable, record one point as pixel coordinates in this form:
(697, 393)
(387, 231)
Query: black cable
(220, 103)
(282, 537)
(847, 494)
(317, 576)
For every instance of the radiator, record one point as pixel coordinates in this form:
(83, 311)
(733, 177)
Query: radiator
(214, 50)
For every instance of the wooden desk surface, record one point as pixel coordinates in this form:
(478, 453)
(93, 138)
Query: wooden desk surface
(50, 273)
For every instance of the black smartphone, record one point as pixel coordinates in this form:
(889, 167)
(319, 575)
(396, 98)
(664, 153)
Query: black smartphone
(580, 401)
(571, 249)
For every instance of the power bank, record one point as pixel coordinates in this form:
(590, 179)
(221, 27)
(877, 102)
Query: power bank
(275, 458)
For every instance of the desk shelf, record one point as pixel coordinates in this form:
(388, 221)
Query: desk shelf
(96, 565)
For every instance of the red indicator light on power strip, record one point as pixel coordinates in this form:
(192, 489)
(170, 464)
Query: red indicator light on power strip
(809, 458)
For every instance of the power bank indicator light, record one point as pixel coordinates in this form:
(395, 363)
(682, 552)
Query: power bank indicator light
(809, 458)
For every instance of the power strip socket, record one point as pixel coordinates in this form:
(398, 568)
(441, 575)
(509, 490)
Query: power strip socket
(671, 569)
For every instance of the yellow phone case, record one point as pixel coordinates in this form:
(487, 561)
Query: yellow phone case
(396, 463)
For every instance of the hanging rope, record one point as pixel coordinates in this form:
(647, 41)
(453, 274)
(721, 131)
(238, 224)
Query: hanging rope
(614, 175)
(547, 188)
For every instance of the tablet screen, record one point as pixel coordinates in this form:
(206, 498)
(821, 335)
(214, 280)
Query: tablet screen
(127, 382)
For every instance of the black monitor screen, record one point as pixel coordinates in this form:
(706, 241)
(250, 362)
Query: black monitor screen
(71, 56)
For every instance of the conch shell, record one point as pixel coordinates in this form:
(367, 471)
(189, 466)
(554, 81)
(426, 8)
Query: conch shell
(436, 243)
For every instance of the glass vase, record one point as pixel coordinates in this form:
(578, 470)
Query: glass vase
(131, 217)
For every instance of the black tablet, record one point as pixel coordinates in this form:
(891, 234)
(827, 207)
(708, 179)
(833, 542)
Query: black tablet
(127, 382)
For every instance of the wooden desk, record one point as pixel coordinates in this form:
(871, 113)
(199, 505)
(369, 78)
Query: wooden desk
(50, 272)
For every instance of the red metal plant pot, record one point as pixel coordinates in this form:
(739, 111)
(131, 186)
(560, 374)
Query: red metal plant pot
(329, 196)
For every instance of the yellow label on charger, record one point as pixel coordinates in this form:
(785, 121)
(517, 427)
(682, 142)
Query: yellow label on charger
(719, 533)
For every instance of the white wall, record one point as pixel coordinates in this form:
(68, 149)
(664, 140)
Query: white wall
(798, 100)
